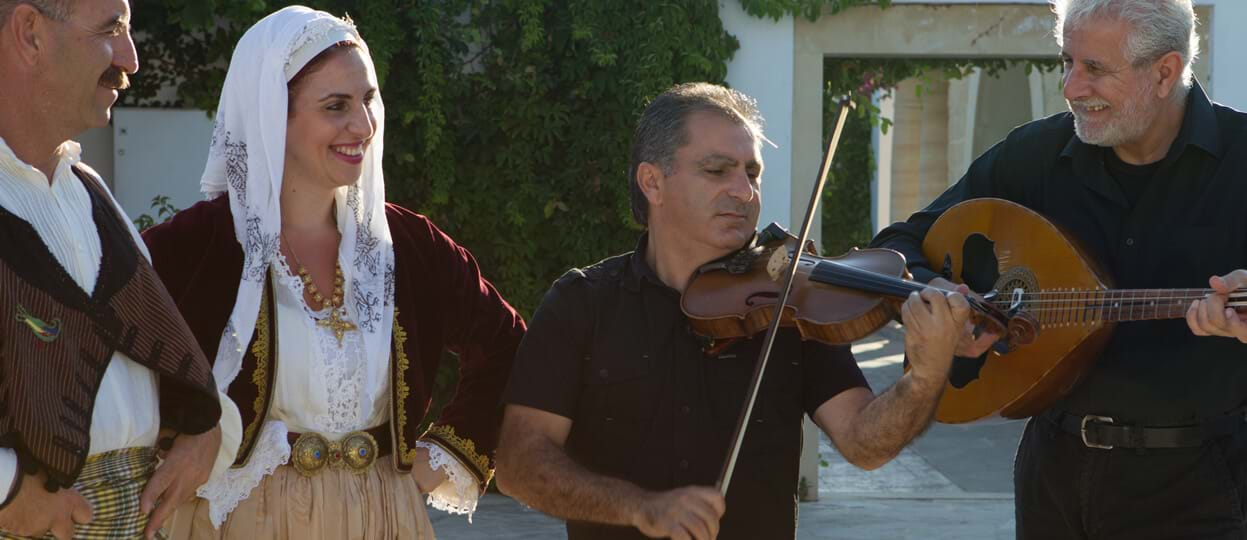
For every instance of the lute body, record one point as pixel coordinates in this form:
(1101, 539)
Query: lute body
(1024, 262)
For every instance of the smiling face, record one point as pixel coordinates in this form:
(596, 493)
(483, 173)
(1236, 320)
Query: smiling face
(90, 55)
(331, 121)
(1112, 101)
(712, 196)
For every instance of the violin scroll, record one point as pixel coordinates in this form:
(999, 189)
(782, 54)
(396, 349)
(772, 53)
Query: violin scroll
(1023, 329)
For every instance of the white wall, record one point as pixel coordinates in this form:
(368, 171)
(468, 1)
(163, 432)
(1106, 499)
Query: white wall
(763, 69)
(158, 152)
(97, 151)
(1228, 82)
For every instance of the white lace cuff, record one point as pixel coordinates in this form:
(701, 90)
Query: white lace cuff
(224, 492)
(459, 494)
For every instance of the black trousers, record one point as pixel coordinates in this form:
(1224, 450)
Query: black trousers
(1064, 490)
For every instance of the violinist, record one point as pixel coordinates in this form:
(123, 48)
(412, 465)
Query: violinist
(618, 419)
(1147, 175)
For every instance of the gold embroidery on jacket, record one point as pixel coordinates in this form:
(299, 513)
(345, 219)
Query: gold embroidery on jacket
(260, 347)
(406, 454)
(445, 435)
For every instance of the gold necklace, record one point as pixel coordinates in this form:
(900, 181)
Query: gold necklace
(337, 320)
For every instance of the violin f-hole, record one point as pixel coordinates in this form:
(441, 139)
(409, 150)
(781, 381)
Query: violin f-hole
(749, 301)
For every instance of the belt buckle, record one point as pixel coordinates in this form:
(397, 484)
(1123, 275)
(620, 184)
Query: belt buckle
(309, 454)
(312, 452)
(1082, 429)
(357, 450)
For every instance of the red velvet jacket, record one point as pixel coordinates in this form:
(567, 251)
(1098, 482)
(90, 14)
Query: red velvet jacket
(441, 302)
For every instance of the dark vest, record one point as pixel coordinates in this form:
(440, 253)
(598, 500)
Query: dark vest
(56, 342)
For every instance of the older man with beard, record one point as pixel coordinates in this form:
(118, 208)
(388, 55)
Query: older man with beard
(1147, 174)
(94, 358)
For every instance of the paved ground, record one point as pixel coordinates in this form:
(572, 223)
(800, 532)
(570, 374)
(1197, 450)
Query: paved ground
(953, 483)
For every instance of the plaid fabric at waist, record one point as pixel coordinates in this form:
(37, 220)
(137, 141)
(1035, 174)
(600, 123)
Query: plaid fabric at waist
(112, 483)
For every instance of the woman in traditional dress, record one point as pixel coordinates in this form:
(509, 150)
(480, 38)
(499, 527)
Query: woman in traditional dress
(327, 311)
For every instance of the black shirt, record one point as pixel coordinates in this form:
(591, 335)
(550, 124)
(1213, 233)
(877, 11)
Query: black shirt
(610, 349)
(1189, 224)
(1132, 179)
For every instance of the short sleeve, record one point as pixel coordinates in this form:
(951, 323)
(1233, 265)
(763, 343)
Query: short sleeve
(546, 373)
(828, 370)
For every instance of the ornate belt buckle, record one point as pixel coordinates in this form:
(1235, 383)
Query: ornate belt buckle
(358, 451)
(1083, 430)
(309, 454)
(312, 452)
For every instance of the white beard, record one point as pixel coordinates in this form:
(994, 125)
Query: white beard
(1133, 117)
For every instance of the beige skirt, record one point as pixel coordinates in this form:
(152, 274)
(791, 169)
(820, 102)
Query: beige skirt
(335, 504)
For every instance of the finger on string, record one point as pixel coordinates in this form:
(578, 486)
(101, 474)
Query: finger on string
(1235, 326)
(1220, 284)
(1214, 315)
(1201, 315)
(908, 315)
(1192, 319)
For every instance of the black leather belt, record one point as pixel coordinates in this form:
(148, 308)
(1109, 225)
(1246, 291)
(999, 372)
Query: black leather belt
(1101, 432)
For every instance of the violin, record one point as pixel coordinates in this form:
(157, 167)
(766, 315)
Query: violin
(835, 300)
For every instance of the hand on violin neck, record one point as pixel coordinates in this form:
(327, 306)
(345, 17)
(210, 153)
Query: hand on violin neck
(934, 323)
(975, 340)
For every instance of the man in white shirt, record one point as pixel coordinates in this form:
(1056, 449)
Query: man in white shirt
(63, 62)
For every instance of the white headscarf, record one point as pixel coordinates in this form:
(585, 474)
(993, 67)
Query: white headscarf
(246, 161)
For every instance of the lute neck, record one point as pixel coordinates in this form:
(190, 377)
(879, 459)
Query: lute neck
(1079, 306)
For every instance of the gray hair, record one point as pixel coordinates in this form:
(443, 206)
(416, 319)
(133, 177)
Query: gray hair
(1158, 27)
(661, 130)
(57, 10)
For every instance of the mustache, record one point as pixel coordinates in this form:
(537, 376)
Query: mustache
(742, 209)
(115, 79)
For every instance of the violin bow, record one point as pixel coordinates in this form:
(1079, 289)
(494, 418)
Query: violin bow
(742, 422)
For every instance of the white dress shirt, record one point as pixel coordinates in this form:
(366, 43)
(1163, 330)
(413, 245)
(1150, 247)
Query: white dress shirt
(126, 410)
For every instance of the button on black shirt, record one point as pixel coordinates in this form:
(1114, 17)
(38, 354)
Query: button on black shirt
(1188, 224)
(610, 349)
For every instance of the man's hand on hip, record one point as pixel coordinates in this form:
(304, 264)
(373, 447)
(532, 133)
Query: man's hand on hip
(35, 510)
(185, 468)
